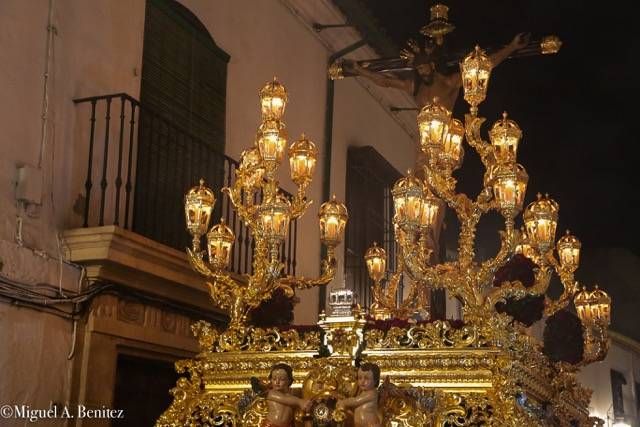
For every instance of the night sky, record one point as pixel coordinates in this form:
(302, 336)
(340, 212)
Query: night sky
(577, 109)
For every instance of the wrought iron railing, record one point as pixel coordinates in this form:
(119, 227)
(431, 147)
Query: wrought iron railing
(139, 165)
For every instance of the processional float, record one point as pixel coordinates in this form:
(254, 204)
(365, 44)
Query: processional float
(486, 369)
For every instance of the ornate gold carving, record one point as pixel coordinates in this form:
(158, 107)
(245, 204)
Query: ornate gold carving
(253, 339)
(438, 334)
(330, 378)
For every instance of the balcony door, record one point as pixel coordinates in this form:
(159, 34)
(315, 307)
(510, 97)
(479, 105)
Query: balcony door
(142, 390)
(182, 120)
(370, 178)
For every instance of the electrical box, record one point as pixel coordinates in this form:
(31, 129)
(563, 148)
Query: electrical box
(29, 185)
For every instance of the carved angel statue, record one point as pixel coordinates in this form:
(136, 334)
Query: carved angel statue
(281, 404)
(365, 404)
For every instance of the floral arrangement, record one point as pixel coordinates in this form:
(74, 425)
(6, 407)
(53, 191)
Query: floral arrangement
(563, 340)
(276, 311)
(529, 309)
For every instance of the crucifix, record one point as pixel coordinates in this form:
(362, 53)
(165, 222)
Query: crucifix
(425, 70)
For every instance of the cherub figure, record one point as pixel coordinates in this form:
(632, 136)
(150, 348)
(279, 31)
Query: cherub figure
(365, 404)
(280, 402)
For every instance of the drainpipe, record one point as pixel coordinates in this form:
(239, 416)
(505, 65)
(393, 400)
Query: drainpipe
(328, 144)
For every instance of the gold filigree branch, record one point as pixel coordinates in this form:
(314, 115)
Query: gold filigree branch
(411, 303)
(386, 297)
(474, 139)
(444, 187)
(299, 204)
(570, 286)
(517, 290)
(467, 238)
(261, 261)
(392, 287)
(198, 263)
(553, 306)
(221, 291)
(245, 210)
(488, 268)
(468, 212)
(506, 290)
(415, 265)
(327, 275)
(485, 201)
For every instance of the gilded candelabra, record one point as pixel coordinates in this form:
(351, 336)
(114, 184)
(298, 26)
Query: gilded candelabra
(267, 220)
(486, 371)
(418, 201)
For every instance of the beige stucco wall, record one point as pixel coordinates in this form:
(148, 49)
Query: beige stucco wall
(625, 359)
(93, 52)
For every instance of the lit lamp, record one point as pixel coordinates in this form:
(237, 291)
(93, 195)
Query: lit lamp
(333, 220)
(524, 248)
(569, 252)
(273, 100)
(541, 219)
(594, 311)
(302, 160)
(272, 141)
(430, 208)
(475, 70)
(582, 304)
(432, 124)
(408, 200)
(505, 136)
(601, 306)
(452, 151)
(509, 183)
(376, 260)
(593, 307)
(274, 218)
(219, 242)
(198, 204)
(250, 168)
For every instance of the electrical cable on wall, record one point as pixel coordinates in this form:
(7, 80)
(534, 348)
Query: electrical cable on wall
(43, 297)
(51, 30)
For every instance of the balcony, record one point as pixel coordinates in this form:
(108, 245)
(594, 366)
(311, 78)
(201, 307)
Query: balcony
(136, 167)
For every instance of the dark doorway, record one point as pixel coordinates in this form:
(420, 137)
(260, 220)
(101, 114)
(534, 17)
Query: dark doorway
(142, 390)
(182, 120)
(370, 178)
